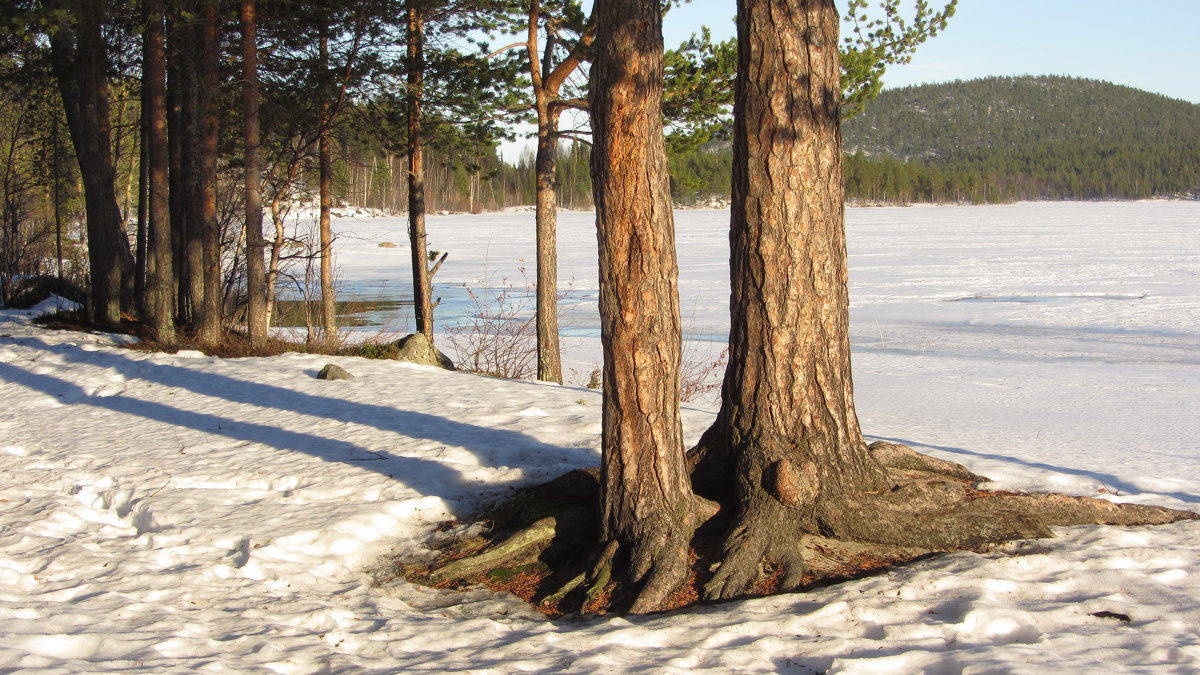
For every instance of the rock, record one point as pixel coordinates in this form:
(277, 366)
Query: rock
(417, 348)
(333, 371)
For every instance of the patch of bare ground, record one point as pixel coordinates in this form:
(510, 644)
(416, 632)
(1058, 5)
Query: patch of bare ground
(542, 543)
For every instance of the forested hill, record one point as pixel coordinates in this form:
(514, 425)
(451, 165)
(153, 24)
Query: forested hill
(1004, 138)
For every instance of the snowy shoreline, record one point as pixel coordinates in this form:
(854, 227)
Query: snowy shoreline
(175, 513)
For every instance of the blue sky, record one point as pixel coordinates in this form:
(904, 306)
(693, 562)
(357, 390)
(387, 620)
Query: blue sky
(1152, 45)
(1149, 44)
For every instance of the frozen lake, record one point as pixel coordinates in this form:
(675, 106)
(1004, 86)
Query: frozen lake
(1068, 333)
(1083, 276)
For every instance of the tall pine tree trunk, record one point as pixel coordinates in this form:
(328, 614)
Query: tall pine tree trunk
(422, 283)
(648, 513)
(186, 84)
(179, 87)
(81, 69)
(256, 279)
(209, 329)
(787, 428)
(160, 281)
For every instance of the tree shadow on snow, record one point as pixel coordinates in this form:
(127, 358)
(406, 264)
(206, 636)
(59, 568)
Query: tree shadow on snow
(1110, 481)
(493, 447)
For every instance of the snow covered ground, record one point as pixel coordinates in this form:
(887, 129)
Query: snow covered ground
(178, 513)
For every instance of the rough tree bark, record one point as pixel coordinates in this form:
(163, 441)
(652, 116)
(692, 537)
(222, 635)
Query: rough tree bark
(787, 426)
(81, 69)
(140, 264)
(648, 510)
(256, 292)
(787, 429)
(160, 282)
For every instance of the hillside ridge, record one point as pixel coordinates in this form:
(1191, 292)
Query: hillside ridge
(939, 120)
(1028, 137)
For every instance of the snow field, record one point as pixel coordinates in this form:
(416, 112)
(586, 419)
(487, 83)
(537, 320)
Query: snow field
(178, 513)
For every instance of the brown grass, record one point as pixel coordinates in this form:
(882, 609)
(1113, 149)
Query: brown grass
(768, 584)
(525, 585)
(233, 344)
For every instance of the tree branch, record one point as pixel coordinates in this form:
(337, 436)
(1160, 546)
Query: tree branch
(505, 48)
(577, 56)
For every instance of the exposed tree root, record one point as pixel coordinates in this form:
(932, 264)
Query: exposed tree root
(904, 458)
(556, 597)
(536, 535)
(600, 578)
(545, 544)
(753, 549)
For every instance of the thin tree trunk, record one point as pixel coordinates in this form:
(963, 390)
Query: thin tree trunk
(179, 171)
(787, 427)
(118, 147)
(160, 281)
(256, 293)
(647, 507)
(81, 68)
(276, 256)
(325, 180)
(546, 216)
(9, 230)
(547, 79)
(393, 205)
(133, 157)
(328, 299)
(10, 217)
(140, 262)
(549, 359)
(58, 222)
(422, 283)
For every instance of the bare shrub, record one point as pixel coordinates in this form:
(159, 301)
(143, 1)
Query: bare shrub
(699, 377)
(589, 379)
(499, 337)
